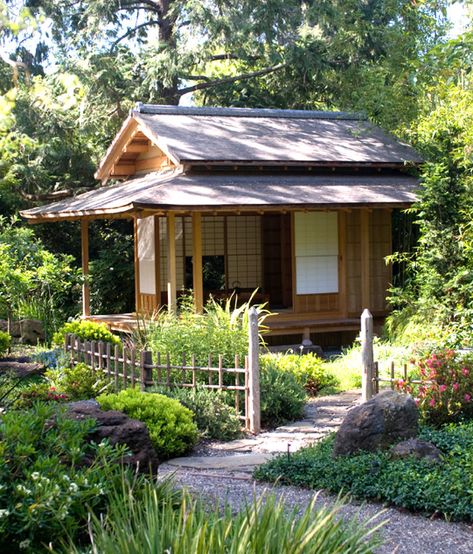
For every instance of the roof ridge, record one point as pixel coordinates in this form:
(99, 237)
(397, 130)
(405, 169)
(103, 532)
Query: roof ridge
(158, 109)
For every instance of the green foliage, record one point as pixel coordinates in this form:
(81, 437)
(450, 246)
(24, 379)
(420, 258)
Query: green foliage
(33, 281)
(446, 389)
(39, 392)
(46, 491)
(309, 370)
(282, 397)
(79, 382)
(416, 485)
(5, 342)
(222, 329)
(169, 423)
(153, 522)
(86, 331)
(214, 418)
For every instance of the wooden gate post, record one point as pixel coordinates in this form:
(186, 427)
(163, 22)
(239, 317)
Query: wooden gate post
(254, 408)
(366, 355)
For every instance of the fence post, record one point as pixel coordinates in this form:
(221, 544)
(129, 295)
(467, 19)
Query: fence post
(366, 355)
(146, 372)
(253, 372)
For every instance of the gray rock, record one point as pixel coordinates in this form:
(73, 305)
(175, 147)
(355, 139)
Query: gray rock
(30, 331)
(378, 423)
(417, 448)
(118, 428)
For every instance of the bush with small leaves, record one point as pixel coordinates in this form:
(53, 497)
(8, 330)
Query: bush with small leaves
(170, 425)
(5, 341)
(79, 382)
(85, 330)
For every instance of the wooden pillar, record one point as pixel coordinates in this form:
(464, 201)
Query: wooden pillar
(137, 266)
(365, 259)
(197, 284)
(367, 356)
(84, 227)
(157, 261)
(254, 405)
(172, 278)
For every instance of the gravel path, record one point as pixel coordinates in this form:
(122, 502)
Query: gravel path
(222, 471)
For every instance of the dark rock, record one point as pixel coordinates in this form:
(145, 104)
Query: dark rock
(378, 423)
(417, 448)
(118, 428)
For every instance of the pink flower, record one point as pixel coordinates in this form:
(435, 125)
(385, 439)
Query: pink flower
(417, 400)
(456, 386)
(465, 371)
(432, 402)
(467, 397)
(443, 388)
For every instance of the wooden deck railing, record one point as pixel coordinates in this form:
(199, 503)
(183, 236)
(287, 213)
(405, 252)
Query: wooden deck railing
(128, 367)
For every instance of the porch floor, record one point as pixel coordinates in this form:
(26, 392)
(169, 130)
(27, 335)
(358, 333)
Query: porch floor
(279, 324)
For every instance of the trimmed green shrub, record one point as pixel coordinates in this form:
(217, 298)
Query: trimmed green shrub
(170, 424)
(85, 330)
(308, 369)
(410, 483)
(46, 491)
(79, 382)
(155, 523)
(282, 397)
(446, 389)
(5, 341)
(215, 419)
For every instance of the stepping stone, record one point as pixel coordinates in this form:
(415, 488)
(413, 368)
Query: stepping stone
(230, 463)
(244, 445)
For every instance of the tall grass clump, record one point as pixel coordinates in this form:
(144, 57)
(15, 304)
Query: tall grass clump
(221, 329)
(156, 524)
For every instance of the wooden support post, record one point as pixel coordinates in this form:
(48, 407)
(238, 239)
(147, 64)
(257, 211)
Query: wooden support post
(365, 259)
(157, 261)
(197, 271)
(366, 355)
(171, 240)
(254, 408)
(84, 228)
(137, 268)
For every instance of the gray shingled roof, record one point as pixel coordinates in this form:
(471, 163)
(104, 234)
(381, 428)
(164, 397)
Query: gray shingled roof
(238, 135)
(215, 190)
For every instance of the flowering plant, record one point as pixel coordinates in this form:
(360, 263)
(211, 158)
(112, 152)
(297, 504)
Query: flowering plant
(444, 390)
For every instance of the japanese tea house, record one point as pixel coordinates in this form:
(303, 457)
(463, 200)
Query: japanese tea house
(294, 203)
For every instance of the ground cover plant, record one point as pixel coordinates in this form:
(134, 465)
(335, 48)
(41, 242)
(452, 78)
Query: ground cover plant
(5, 342)
(170, 425)
(159, 524)
(445, 488)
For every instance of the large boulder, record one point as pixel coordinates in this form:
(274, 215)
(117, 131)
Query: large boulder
(28, 331)
(118, 428)
(385, 419)
(417, 448)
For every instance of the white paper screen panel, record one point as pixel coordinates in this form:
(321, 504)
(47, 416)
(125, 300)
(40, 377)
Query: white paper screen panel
(146, 253)
(316, 251)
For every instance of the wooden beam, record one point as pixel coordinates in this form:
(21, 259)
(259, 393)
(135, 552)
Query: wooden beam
(84, 228)
(137, 267)
(365, 258)
(157, 261)
(197, 284)
(156, 162)
(123, 169)
(172, 277)
(134, 147)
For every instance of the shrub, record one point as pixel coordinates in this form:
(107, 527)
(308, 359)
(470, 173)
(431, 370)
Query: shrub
(51, 358)
(85, 330)
(282, 397)
(170, 424)
(446, 389)
(154, 523)
(80, 382)
(46, 490)
(308, 369)
(410, 483)
(215, 419)
(5, 341)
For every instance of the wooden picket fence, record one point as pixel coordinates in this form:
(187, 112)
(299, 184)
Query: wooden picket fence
(125, 366)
